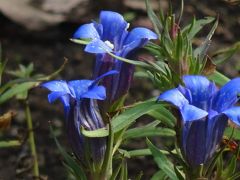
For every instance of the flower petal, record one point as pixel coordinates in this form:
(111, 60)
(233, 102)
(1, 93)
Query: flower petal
(227, 96)
(113, 25)
(173, 96)
(131, 47)
(186, 92)
(53, 96)
(66, 102)
(97, 92)
(97, 46)
(195, 142)
(57, 86)
(201, 90)
(216, 126)
(86, 31)
(192, 113)
(112, 72)
(79, 87)
(233, 114)
(138, 34)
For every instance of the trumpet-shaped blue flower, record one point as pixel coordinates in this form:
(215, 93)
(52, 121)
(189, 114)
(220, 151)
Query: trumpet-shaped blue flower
(79, 98)
(205, 110)
(111, 35)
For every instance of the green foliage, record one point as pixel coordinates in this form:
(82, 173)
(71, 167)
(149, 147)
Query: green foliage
(147, 131)
(230, 133)
(162, 161)
(222, 55)
(125, 119)
(175, 55)
(229, 172)
(24, 81)
(219, 78)
(11, 143)
(70, 163)
(2, 65)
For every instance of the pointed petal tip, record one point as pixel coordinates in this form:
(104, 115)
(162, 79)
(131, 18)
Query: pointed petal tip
(86, 31)
(233, 114)
(192, 113)
(173, 96)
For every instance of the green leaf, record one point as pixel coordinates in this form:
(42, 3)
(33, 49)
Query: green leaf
(15, 90)
(82, 41)
(152, 16)
(134, 62)
(230, 169)
(103, 132)
(118, 104)
(164, 115)
(71, 163)
(219, 167)
(139, 152)
(147, 132)
(159, 175)
(192, 29)
(162, 161)
(224, 54)
(124, 171)
(219, 78)
(141, 74)
(130, 115)
(11, 143)
(232, 134)
(2, 65)
(23, 71)
(116, 172)
(126, 118)
(180, 174)
(201, 51)
(235, 176)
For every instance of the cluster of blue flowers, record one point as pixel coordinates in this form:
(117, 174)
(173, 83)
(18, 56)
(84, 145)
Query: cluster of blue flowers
(205, 111)
(79, 97)
(204, 108)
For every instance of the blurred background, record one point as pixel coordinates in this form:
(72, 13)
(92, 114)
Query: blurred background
(38, 31)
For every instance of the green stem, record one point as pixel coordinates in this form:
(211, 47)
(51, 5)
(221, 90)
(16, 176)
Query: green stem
(31, 139)
(107, 162)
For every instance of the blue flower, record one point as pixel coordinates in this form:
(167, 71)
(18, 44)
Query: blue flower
(79, 98)
(205, 110)
(111, 35)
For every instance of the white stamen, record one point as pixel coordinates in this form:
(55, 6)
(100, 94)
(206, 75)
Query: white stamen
(109, 44)
(128, 25)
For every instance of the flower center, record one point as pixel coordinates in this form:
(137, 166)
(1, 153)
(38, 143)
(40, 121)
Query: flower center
(109, 44)
(128, 25)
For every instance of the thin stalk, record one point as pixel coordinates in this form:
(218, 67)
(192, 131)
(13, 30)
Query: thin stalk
(31, 139)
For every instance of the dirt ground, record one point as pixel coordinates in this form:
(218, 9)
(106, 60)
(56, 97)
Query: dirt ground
(47, 49)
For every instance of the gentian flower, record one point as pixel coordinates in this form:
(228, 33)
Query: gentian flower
(111, 35)
(205, 111)
(79, 98)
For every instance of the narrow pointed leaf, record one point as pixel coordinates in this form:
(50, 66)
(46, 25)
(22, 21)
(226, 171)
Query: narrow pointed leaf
(19, 88)
(76, 169)
(219, 78)
(148, 132)
(162, 161)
